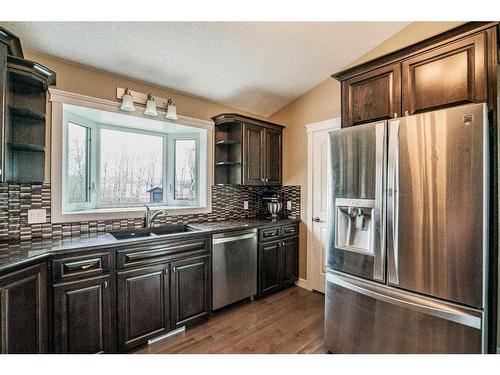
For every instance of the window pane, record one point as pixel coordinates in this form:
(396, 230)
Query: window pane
(185, 169)
(77, 184)
(131, 168)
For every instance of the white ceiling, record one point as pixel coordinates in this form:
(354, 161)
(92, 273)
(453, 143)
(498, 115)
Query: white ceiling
(257, 67)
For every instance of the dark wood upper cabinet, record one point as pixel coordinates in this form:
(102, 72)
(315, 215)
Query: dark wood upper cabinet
(453, 68)
(143, 304)
(190, 295)
(247, 151)
(372, 96)
(24, 311)
(83, 316)
(273, 157)
(24, 91)
(254, 158)
(450, 75)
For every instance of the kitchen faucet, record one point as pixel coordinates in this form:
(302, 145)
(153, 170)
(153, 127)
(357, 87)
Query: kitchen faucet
(149, 218)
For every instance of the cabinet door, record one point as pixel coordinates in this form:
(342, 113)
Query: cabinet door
(143, 304)
(269, 267)
(371, 96)
(190, 291)
(253, 155)
(273, 157)
(23, 311)
(290, 259)
(446, 76)
(82, 316)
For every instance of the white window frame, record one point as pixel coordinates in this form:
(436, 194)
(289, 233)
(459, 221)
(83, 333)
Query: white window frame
(58, 159)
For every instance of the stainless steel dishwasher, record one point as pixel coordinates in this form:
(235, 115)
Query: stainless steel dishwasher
(234, 267)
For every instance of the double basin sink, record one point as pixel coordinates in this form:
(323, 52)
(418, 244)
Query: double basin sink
(152, 232)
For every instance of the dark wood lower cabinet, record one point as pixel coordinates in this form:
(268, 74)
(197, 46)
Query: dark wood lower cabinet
(190, 291)
(82, 316)
(143, 304)
(24, 311)
(290, 259)
(278, 264)
(269, 267)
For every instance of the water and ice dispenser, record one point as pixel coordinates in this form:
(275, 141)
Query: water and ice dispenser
(354, 225)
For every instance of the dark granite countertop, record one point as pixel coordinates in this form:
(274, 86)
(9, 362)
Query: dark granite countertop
(13, 254)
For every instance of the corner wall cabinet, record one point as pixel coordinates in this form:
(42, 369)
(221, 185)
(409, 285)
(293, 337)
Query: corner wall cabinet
(450, 69)
(23, 94)
(247, 151)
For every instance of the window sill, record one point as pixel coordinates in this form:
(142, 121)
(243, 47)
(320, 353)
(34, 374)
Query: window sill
(124, 213)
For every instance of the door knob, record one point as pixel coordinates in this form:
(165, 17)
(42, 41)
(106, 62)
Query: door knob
(316, 219)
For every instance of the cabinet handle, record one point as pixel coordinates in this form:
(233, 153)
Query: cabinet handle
(166, 271)
(86, 266)
(105, 284)
(395, 115)
(174, 269)
(406, 114)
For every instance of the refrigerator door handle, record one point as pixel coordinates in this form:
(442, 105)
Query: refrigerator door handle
(392, 202)
(380, 176)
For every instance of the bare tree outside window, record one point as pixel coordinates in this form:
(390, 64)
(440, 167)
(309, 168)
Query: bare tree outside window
(185, 169)
(77, 184)
(131, 165)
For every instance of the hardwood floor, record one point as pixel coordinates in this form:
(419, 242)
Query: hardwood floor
(287, 322)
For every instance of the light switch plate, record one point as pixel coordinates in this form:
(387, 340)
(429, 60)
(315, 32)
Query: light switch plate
(245, 205)
(289, 205)
(36, 216)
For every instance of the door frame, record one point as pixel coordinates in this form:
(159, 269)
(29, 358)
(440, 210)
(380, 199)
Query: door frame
(330, 124)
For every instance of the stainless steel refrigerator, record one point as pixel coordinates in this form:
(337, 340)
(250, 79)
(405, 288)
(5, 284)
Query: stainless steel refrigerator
(408, 235)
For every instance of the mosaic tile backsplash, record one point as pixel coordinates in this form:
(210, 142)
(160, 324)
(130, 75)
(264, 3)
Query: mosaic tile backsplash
(227, 204)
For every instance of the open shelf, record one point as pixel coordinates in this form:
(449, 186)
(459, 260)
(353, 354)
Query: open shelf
(27, 113)
(26, 147)
(224, 163)
(227, 142)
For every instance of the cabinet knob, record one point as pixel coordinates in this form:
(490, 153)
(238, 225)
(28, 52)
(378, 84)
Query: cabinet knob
(316, 219)
(406, 114)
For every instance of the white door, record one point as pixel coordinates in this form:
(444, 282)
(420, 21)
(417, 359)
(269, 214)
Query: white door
(318, 201)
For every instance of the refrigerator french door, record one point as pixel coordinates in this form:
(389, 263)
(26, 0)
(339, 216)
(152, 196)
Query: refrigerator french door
(407, 254)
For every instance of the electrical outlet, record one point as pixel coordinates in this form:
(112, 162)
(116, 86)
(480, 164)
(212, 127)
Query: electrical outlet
(289, 205)
(36, 216)
(245, 205)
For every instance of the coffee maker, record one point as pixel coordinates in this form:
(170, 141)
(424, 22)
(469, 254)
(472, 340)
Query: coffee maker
(272, 202)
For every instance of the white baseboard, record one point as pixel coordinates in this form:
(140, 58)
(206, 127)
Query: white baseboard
(303, 283)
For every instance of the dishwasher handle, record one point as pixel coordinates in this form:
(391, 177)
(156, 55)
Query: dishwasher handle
(220, 240)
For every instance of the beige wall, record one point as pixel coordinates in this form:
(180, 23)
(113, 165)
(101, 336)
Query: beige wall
(322, 103)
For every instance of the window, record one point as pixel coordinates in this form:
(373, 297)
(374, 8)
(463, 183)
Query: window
(117, 161)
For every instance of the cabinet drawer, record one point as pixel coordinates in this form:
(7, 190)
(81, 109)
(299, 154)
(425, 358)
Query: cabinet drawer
(269, 234)
(81, 266)
(160, 252)
(290, 230)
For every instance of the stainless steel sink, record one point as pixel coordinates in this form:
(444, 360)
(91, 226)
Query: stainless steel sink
(171, 229)
(152, 232)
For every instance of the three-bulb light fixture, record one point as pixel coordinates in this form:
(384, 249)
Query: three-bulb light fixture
(128, 106)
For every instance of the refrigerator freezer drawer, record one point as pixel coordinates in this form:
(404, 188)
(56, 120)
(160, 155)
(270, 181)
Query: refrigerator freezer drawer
(362, 317)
